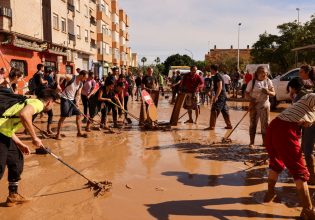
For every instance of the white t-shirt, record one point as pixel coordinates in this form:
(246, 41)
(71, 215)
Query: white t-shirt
(226, 78)
(257, 92)
(70, 91)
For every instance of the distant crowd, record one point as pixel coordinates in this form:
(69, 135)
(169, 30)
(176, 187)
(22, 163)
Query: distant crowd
(112, 94)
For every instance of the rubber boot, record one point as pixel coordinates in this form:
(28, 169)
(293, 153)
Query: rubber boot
(213, 119)
(271, 193)
(15, 199)
(307, 211)
(310, 166)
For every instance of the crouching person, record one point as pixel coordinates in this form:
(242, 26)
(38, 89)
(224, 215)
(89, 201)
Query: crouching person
(284, 150)
(17, 111)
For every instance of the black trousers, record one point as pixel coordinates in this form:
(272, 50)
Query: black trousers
(85, 102)
(105, 110)
(11, 157)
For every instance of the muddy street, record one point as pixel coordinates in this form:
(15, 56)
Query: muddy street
(176, 174)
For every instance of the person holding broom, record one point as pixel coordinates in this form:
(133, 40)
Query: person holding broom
(284, 150)
(11, 147)
(258, 91)
(70, 97)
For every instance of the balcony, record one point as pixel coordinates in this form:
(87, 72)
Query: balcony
(103, 37)
(114, 7)
(93, 44)
(122, 33)
(6, 12)
(100, 15)
(123, 48)
(5, 18)
(115, 61)
(71, 37)
(71, 7)
(92, 20)
(115, 27)
(115, 45)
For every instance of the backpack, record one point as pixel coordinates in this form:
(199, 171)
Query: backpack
(65, 84)
(8, 100)
(31, 85)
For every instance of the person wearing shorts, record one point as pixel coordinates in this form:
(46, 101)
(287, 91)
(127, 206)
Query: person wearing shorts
(191, 84)
(284, 150)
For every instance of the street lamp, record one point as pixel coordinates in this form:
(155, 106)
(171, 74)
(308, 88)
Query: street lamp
(191, 54)
(298, 11)
(238, 45)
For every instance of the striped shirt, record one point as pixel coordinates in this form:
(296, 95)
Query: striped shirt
(301, 111)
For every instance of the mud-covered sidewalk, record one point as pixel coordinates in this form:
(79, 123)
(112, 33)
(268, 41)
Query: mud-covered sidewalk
(177, 174)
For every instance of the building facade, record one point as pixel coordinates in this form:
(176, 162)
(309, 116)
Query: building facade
(217, 55)
(63, 34)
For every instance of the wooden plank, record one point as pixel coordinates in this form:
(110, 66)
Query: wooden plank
(177, 107)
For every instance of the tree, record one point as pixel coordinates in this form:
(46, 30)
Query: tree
(201, 65)
(177, 60)
(277, 49)
(157, 60)
(143, 60)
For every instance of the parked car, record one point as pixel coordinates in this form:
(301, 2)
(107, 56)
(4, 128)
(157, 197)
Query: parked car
(280, 84)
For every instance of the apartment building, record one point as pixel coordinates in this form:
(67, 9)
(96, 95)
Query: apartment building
(115, 34)
(216, 55)
(22, 42)
(63, 34)
(104, 35)
(74, 28)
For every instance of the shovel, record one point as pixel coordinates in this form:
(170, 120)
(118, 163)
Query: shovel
(99, 188)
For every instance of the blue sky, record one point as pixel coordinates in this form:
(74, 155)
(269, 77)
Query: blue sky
(161, 28)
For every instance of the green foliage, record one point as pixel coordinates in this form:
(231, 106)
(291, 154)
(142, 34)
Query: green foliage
(201, 65)
(177, 60)
(277, 49)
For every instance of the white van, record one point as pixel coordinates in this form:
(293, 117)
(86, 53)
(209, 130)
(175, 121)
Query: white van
(181, 69)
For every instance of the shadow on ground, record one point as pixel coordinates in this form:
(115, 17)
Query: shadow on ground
(219, 152)
(164, 210)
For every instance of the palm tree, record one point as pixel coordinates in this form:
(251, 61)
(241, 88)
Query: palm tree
(157, 60)
(143, 60)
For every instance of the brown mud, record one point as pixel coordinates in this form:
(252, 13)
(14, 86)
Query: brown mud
(160, 174)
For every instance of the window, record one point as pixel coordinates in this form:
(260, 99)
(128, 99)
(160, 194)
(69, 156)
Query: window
(290, 75)
(107, 48)
(55, 21)
(103, 48)
(50, 64)
(69, 69)
(105, 30)
(63, 25)
(77, 6)
(86, 11)
(21, 65)
(102, 7)
(78, 32)
(86, 35)
(107, 10)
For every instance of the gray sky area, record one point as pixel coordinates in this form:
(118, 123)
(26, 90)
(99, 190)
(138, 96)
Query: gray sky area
(161, 28)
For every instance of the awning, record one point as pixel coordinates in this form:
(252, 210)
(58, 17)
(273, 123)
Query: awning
(312, 46)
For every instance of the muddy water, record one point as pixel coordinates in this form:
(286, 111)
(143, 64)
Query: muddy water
(177, 174)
